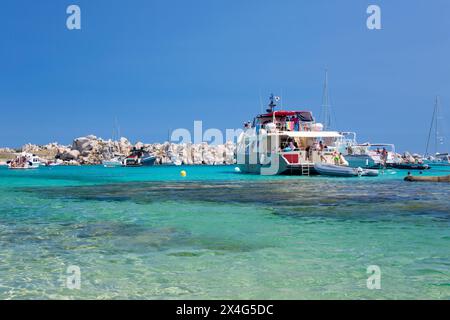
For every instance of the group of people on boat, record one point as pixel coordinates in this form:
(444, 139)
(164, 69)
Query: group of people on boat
(19, 162)
(409, 159)
(289, 145)
(292, 145)
(317, 146)
(338, 159)
(25, 161)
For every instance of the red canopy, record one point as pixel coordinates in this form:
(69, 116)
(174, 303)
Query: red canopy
(284, 113)
(280, 113)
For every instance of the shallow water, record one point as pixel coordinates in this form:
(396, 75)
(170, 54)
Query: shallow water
(216, 234)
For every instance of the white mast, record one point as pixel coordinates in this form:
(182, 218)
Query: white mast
(326, 107)
(436, 125)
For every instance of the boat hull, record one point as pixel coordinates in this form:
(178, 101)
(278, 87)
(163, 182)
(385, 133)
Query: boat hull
(437, 163)
(148, 161)
(277, 166)
(142, 162)
(341, 171)
(361, 161)
(411, 166)
(24, 167)
(366, 162)
(112, 163)
(336, 171)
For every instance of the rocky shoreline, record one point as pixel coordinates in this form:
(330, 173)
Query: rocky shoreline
(92, 150)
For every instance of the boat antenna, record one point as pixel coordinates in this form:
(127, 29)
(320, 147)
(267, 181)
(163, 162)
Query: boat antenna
(260, 101)
(272, 103)
(326, 107)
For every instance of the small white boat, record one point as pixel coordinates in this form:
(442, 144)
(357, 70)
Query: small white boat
(25, 161)
(342, 171)
(54, 164)
(176, 162)
(368, 155)
(439, 160)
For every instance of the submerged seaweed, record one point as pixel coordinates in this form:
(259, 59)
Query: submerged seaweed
(282, 197)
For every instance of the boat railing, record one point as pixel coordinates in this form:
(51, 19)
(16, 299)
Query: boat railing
(290, 126)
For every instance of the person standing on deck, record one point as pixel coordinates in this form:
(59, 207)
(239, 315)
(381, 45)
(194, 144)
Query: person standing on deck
(296, 124)
(384, 156)
(308, 153)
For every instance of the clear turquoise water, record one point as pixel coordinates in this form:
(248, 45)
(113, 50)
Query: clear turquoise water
(216, 234)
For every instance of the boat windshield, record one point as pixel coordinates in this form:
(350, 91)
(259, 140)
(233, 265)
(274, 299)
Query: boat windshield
(378, 147)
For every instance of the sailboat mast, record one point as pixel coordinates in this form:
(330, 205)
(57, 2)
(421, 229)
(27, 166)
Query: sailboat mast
(326, 112)
(117, 132)
(436, 131)
(433, 125)
(429, 133)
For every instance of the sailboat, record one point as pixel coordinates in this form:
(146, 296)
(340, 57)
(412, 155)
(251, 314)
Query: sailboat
(440, 157)
(112, 160)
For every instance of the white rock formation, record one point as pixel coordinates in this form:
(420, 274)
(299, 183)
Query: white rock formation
(93, 150)
(68, 155)
(7, 150)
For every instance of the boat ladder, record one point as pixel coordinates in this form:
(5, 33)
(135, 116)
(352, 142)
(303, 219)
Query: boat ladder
(305, 170)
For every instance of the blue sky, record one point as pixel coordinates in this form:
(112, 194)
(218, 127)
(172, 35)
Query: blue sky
(160, 65)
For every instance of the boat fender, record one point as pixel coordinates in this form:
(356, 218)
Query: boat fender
(263, 133)
(359, 171)
(264, 159)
